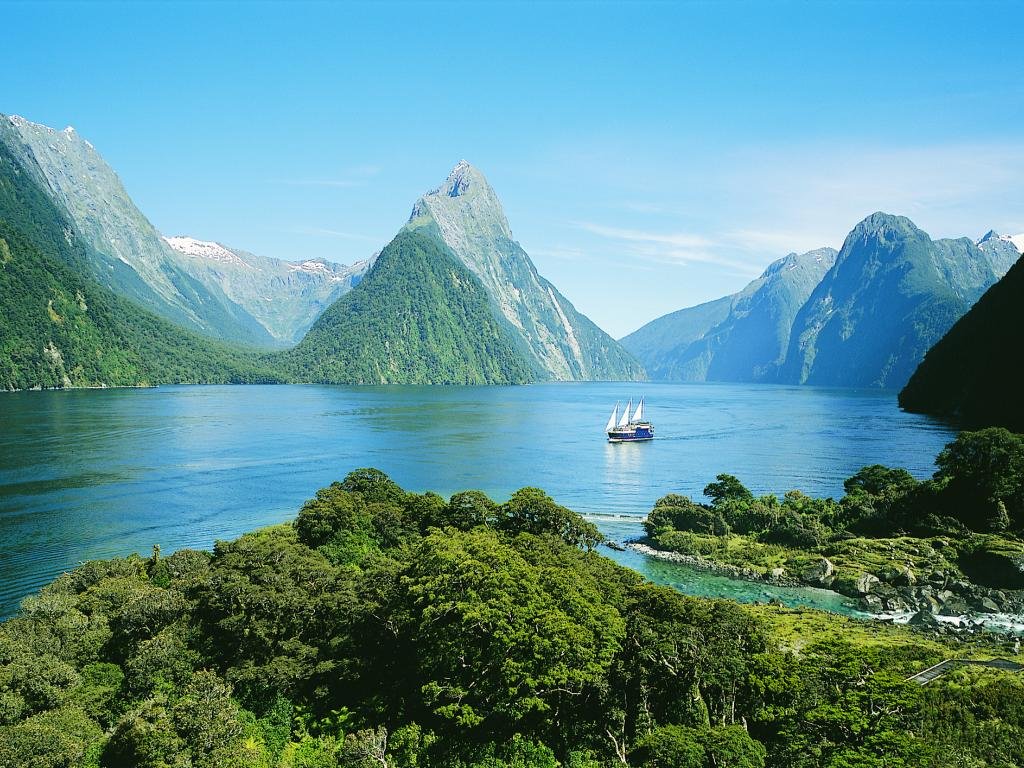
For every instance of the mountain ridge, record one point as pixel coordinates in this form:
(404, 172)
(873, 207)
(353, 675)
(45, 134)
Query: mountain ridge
(892, 292)
(285, 297)
(866, 321)
(126, 252)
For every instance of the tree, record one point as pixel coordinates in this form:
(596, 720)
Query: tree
(678, 513)
(530, 510)
(468, 509)
(672, 746)
(727, 488)
(980, 469)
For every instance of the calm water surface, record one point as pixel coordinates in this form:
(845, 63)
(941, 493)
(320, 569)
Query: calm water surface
(94, 473)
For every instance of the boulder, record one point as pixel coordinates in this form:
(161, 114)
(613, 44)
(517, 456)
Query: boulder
(777, 573)
(923, 619)
(820, 574)
(986, 605)
(872, 604)
(955, 607)
(865, 583)
(904, 577)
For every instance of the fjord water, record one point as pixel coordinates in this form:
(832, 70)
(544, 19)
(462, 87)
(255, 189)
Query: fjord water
(97, 473)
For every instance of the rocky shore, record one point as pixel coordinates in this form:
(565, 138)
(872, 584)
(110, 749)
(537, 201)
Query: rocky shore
(938, 600)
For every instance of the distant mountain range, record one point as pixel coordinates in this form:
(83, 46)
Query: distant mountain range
(93, 295)
(742, 337)
(284, 297)
(862, 317)
(417, 318)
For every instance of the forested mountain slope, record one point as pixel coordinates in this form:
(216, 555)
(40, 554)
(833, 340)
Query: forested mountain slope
(125, 252)
(60, 328)
(418, 317)
(892, 293)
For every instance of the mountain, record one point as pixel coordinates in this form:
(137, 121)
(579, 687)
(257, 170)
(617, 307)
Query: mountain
(59, 327)
(891, 294)
(125, 252)
(284, 297)
(419, 316)
(1003, 251)
(742, 337)
(659, 344)
(465, 214)
(974, 371)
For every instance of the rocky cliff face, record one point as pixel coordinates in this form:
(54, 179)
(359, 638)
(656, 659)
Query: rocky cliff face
(127, 254)
(466, 215)
(284, 297)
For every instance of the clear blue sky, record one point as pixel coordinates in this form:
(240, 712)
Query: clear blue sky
(670, 151)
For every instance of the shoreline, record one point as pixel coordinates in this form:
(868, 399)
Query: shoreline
(952, 625)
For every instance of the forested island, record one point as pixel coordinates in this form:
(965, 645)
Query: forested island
(387, 628)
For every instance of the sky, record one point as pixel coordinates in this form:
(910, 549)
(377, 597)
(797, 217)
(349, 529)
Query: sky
(650, 156)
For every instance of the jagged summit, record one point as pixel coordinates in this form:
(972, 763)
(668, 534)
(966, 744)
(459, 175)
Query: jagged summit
(22, 123)
(1017, 241)
(791, 261)
(465, 206)
(462, 177)
(883, 225)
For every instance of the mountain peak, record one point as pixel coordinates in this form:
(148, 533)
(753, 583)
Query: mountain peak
(993, 237)
(465, 205)
(462, 177)
(881, 222)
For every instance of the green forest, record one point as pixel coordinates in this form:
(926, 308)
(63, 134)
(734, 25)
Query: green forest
(401, 630)
(418, 317)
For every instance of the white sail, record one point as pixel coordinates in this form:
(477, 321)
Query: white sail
(615, 417)
(625, 414)
(639, 415)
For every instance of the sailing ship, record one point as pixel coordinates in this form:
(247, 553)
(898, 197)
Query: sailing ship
(630, 427)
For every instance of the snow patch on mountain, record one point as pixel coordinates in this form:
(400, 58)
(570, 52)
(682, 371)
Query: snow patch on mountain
(206, 249)
(322, 268)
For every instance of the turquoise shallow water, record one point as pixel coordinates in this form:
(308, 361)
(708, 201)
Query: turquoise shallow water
(97, 473)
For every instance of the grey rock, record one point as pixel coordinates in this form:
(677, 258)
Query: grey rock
(872, 604)
(986, 605)
(923, 619)
(820, 573)
(866, 583)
